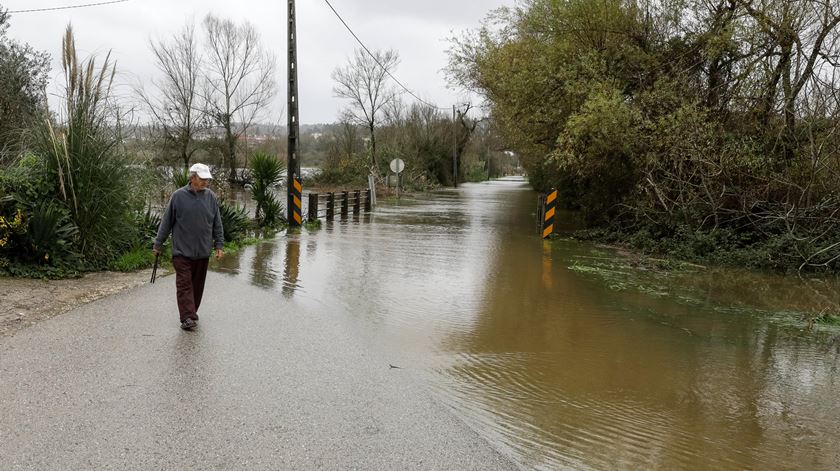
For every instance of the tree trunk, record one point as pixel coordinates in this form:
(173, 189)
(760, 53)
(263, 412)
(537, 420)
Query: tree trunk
(230, 140)
(790, 118)
(371, 128)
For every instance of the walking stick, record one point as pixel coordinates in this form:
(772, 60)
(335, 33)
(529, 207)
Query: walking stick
(154, 269)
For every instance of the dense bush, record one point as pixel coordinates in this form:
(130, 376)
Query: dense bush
(75, 191)
(342, 170)
(90, 175)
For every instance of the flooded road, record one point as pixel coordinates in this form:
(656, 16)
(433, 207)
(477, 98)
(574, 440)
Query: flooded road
(562, 355)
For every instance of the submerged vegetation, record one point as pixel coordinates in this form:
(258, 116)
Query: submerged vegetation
(802, 304)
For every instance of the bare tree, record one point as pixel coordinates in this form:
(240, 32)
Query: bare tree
(463, 133)
(240, 80)
(363, 81)
(800, 41)
(175, 106)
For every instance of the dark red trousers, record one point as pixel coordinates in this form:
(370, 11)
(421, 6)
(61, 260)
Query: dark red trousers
(189, 284)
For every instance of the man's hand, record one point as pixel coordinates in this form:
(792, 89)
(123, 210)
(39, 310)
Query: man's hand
(219, 254)
(156, 252)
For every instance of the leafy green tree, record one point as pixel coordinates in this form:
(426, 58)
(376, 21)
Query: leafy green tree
(23, 77)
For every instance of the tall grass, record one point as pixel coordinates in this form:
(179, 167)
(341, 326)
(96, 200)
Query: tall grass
(83, 155)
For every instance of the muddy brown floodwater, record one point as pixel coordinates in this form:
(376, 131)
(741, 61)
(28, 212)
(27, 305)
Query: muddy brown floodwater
(565, 355)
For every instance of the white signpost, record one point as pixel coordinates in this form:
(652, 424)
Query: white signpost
(397, 166)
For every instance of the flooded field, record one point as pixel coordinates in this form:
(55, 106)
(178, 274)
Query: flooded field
(569, 356)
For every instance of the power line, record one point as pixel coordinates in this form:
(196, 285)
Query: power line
(377, 60)
(68, 7)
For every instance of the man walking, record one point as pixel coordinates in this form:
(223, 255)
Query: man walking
(192, 215)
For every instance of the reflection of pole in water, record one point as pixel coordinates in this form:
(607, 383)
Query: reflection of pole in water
(261, 273)
(547, 280)
(292, 268)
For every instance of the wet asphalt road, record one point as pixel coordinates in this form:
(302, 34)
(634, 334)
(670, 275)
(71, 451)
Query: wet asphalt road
(263, 383)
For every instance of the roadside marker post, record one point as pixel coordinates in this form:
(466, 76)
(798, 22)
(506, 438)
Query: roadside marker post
(296, 190)
(548, 214)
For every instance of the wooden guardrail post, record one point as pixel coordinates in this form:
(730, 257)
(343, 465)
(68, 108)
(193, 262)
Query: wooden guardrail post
(330, 206)
(362, 200)
(312, 209)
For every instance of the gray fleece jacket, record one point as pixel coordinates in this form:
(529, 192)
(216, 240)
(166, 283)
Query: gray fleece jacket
(195, 222)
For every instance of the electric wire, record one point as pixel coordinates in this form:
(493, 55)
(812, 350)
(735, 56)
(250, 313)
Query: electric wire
(377, 60)
(68, 7)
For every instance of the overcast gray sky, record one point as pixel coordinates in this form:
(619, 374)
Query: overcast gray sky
(416, 29)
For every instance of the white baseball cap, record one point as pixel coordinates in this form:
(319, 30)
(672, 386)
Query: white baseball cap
(201, 170)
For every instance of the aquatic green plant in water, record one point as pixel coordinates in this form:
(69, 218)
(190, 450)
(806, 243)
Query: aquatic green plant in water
(794, 302)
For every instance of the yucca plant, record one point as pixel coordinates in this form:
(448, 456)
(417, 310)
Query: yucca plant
(272, 212)
(181, 178)
(146, 224)
(234, 221)
(266, 170)
(91, 176)
(50, 235)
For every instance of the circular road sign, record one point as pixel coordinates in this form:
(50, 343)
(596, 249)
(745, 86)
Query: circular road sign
(397, 165)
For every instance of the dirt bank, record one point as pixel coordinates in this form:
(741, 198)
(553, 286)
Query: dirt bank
(24, 302)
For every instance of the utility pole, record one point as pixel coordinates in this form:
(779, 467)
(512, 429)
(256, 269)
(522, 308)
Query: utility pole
(293, 203)
(454, 148)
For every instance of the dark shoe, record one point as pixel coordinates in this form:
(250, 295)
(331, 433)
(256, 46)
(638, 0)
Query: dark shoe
(188, 324)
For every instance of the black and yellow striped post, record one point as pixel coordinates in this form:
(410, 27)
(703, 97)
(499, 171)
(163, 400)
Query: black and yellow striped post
(297, 211)
(548, 214)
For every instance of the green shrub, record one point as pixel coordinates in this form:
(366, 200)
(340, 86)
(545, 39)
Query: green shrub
(134, 259)
(89, 174)
(50, 236)
(343, 170)
(12, 231)
(476, 173)
(234, 221)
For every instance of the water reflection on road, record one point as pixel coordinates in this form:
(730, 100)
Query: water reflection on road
(557, 363)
